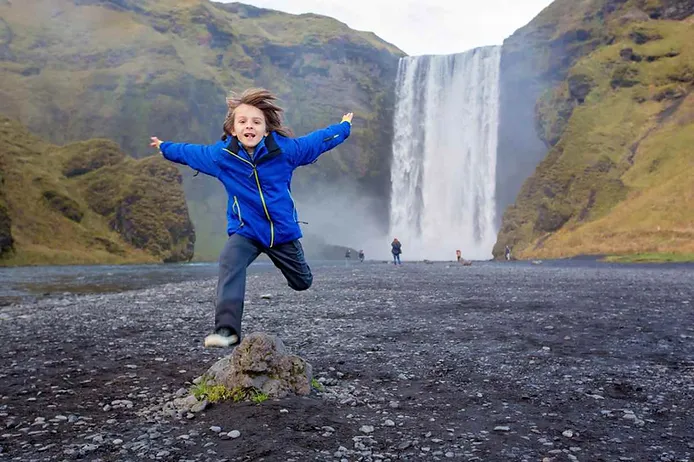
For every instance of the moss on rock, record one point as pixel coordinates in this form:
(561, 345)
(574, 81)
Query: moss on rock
(110, 209)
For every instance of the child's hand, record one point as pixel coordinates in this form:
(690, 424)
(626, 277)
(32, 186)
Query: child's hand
(155, 142)
(347, 118)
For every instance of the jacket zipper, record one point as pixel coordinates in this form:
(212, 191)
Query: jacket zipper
(238, 210)
(262, 197)
(296, 216)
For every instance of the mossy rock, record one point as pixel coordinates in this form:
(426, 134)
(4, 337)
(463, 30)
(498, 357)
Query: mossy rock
(6, 240)
(579, 86)
(91, 155)
(624, 76)
(120, 211)
(64, 205)
(641, 35)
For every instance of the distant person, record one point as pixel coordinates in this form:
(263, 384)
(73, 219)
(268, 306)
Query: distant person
(254, 161)
(458, 255)
(348, 254)
(396, 250)
(507, 253)
(361, 256)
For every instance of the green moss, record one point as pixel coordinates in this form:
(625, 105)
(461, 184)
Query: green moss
(212, 393)
(84, 157)
(64, 205)
(164, 68)
(651, 258)
(618, 122)
(110, 209)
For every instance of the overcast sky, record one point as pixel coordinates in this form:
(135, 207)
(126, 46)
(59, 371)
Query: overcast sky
(450, 26)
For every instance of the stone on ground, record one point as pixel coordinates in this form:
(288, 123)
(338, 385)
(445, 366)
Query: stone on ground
(261, 362)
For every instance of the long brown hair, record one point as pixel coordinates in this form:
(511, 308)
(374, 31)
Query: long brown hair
(263, 100)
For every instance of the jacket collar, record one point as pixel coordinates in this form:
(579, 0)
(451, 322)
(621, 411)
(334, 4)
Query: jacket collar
(271, 150)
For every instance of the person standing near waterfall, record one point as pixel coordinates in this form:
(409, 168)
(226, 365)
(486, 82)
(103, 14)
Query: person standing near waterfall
(396, 250)
(254, 161)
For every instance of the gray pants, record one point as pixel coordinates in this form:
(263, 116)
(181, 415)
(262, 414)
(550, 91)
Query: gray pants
(238, 253)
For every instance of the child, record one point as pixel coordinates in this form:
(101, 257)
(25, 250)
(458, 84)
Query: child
(254, 161)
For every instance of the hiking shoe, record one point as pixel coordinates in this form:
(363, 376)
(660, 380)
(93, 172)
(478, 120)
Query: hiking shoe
(222, 338)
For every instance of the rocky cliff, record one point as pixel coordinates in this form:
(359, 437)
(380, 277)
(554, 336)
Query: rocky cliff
(87, 202)
(601, 93)
(127, 69)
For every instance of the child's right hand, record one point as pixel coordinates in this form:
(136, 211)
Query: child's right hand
(155, 142)
(347, 117)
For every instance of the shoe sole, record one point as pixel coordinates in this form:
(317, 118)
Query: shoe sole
(218, 341)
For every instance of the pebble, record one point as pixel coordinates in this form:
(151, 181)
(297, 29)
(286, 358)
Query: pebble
(502, 428)
(117, 441)
(234, 434)
(568, 433)
(366, 429)
(215, 429)
(388, 423)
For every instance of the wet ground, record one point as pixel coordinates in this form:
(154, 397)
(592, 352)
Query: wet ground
(559, 362)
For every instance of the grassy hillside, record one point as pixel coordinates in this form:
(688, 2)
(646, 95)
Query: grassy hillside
(87, 202)
(128, 69)
(619, 175)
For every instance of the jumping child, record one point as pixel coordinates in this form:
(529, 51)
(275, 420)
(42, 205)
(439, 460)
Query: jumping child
(254, 161)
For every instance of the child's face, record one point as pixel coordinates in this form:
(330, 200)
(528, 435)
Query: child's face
(249, 125)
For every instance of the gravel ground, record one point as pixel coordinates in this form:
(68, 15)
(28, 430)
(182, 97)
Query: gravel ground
(513, 362)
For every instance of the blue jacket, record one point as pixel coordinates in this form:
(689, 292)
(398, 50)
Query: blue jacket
(260, 204)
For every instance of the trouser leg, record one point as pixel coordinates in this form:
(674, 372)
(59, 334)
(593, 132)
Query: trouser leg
(238, 253)
(290, 260)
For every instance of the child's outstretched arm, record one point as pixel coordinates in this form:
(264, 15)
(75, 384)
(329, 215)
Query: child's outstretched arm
(197, 156)
(309, 147)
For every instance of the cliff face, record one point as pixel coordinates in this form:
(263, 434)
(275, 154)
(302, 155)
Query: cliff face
(607, 87)
(87, 202)
(126, 70)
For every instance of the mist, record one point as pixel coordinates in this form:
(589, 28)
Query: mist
(342, 215)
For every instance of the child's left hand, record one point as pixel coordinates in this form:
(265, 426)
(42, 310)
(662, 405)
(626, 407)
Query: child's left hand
(347, 117)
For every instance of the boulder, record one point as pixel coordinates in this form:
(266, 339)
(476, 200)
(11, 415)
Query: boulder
(260, 362)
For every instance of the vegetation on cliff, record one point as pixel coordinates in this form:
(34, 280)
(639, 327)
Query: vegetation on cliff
(617, 118)
(127, 69)
(87, 202)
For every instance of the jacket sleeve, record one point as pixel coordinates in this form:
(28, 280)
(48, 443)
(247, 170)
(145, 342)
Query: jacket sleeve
(197, 156)
(311, 146)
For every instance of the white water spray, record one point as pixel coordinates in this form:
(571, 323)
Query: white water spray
(444, 155)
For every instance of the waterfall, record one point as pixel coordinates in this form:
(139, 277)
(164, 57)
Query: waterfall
(444, 155)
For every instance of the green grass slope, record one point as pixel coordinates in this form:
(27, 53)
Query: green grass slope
(128, 69)
(619, 175)
(88, 202)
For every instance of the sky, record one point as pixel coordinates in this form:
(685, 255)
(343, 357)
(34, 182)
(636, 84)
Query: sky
(421, 27)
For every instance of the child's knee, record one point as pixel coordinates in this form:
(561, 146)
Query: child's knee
(302, 283)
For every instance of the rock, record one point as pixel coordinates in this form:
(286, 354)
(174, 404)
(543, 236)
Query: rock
(260, 362)
(199, 406)
(568, 433)
(502, 428)
(215, 429)
(366, 429)
(234, 434)
(388, 423)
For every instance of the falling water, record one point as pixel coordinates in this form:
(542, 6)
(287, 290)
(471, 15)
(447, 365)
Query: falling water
(444, 155)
